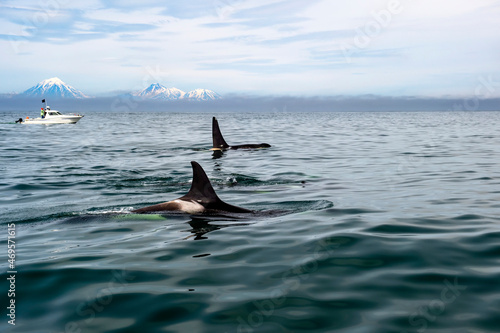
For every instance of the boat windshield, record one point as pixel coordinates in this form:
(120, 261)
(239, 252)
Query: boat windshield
(55, 113)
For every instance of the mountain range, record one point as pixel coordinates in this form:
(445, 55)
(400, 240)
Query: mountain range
(157, 91)
(56, 88)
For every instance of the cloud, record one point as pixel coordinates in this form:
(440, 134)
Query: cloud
(64, 26)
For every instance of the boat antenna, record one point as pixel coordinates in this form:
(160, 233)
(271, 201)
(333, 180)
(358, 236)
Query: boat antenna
(45, 104)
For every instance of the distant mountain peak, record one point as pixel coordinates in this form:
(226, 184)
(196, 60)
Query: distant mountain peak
(158, 91)
(202, 95)
(54, 87)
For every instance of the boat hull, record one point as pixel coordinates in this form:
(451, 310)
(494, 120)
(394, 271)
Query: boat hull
(53, 120)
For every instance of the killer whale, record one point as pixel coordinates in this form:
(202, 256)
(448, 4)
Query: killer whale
(201, 199)
(220, 144)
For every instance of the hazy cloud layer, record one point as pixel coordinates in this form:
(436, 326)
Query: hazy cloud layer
(22, 106)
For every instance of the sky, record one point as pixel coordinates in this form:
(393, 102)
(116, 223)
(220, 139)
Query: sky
(431, 48)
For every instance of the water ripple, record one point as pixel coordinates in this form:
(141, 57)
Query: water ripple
(369, 222)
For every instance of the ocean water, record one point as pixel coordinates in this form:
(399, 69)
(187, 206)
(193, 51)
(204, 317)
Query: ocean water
(369, 222)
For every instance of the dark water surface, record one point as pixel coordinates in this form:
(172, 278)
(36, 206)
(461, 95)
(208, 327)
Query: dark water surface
(389, 222)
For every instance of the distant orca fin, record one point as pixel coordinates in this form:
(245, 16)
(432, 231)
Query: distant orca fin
(218, 139)
(203, 193)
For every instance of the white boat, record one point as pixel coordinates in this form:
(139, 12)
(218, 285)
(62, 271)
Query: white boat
(53, 117)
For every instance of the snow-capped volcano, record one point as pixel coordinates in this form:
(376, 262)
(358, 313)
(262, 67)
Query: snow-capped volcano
(157, 91)
(54, 88)
(202, 95)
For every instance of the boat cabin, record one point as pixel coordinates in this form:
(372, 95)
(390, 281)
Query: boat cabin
(53, 113)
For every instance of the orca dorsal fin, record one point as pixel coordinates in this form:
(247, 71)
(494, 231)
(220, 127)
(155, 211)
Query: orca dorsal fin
(218, 139)
(201, 189)
(203, 193)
